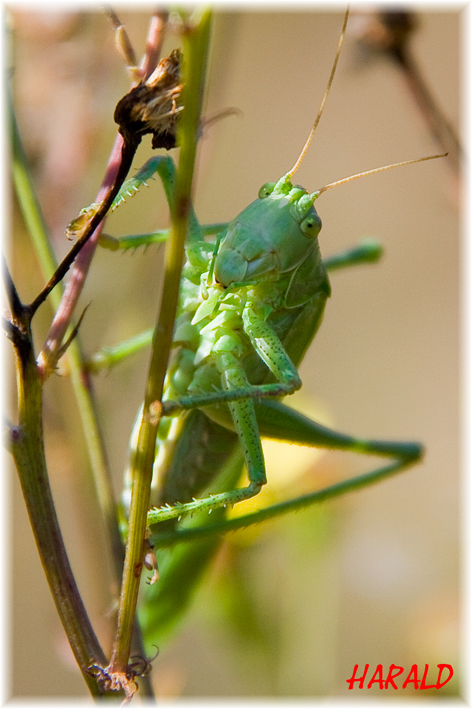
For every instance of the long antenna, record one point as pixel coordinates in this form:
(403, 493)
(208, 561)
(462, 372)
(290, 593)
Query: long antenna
(317, 193)
(291, 173)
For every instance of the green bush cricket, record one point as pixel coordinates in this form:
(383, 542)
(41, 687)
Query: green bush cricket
(252, 300)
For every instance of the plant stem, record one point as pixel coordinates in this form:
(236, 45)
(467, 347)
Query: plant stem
(196, 40)
(26, 445)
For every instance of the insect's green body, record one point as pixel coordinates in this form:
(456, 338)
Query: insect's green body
(251, 301)
(247, 308)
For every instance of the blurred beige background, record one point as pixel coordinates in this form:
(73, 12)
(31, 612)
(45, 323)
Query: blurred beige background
(372, 578)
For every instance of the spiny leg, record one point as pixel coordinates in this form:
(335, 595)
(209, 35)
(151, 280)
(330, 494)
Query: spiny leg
(134, 241)
(245, 424)
(164, 166)
(276, 420)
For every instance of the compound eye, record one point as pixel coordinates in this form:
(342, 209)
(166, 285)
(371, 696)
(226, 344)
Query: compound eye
(310, 226)
(266, 190)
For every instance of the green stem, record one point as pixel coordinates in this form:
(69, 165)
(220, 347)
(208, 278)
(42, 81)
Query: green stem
(30, 208)
(196, 41)
(26, 445)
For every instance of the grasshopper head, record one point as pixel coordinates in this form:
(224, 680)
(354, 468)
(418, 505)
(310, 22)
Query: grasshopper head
(270, 237)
